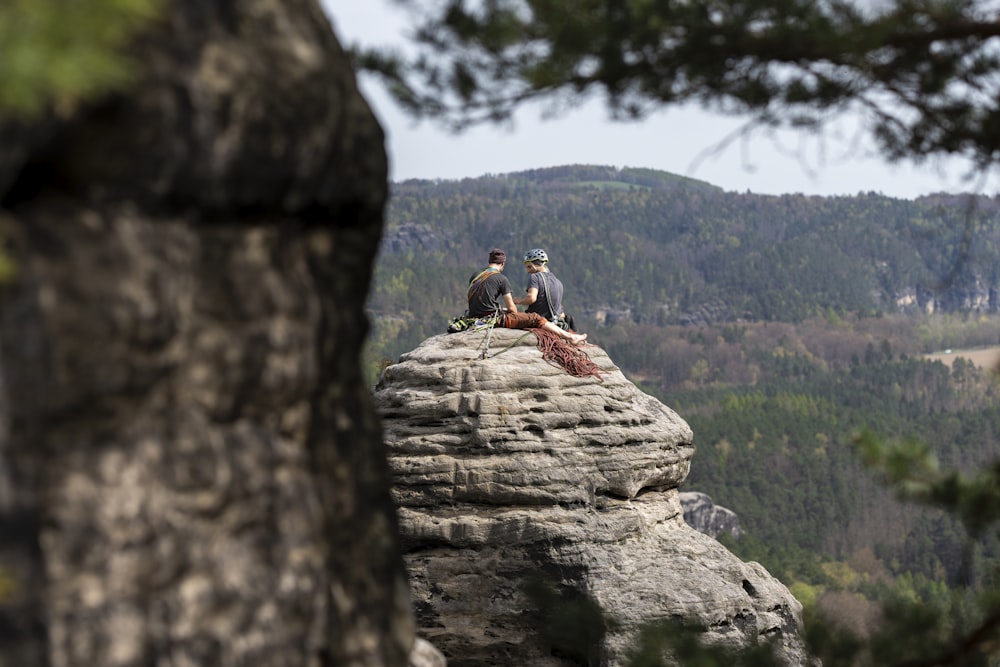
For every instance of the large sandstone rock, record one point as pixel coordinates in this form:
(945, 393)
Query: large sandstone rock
(191, 472)
(507, 467)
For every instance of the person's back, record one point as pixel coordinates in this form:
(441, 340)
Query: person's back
(485, 295)
(544, 293)
(488, 287)
(548, 304)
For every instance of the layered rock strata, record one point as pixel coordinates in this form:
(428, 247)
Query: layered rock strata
(506, 468)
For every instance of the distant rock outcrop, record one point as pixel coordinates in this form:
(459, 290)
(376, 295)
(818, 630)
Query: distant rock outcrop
(706, 517)
(507, 467)
(412, 236)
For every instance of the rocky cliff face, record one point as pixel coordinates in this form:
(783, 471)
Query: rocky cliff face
(507, 467)
(191, 472)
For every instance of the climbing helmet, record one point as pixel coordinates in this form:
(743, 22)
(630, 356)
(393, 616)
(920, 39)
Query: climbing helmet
(535, 255)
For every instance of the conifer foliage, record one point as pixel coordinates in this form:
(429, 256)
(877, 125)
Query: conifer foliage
(59, 54)
(922, 73)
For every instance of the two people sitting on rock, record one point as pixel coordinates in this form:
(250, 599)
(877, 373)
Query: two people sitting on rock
(489, 294)
(544, 293)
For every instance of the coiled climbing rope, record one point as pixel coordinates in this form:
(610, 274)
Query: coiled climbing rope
(572, 358)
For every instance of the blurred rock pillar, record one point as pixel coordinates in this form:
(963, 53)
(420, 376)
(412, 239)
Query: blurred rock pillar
(190, 469)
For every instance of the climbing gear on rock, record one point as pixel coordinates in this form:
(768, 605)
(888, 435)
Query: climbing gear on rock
(457, 324)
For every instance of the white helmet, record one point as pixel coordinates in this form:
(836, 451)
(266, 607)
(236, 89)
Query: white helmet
(535, 255)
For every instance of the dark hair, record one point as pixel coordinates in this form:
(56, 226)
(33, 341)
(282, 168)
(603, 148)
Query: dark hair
(497, 256)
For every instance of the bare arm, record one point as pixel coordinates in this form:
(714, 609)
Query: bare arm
(529, 298)
(508, 301)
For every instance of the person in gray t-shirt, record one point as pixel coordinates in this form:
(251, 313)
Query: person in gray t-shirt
(544, 294)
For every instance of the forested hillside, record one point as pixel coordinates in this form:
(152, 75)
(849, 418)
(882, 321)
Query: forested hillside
(778, 327)
(655, 248)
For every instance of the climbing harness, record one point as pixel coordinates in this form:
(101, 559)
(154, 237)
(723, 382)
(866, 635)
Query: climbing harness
(477, 282)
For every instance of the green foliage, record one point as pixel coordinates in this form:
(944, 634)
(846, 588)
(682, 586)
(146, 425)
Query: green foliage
(919, 623)
(921, 74)
(60, 53)
(55, 55)
(939, 610)
(911, 467)
(7, 586)
(8, 267)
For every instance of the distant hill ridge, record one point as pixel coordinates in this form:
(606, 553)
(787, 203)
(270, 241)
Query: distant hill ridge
(586, 175)
(650, 247)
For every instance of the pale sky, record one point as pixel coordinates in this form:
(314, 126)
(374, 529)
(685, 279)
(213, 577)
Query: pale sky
(678, 140)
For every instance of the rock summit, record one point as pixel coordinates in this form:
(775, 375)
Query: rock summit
(506, 469)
